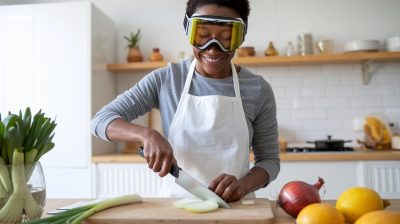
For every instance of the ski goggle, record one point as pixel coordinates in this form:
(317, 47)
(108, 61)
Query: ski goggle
(202, 31)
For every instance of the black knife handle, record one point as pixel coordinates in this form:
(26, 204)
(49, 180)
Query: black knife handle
(174, 168)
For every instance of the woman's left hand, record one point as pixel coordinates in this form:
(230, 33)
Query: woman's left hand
(228, 187)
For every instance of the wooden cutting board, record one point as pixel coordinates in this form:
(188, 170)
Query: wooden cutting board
(161, 210)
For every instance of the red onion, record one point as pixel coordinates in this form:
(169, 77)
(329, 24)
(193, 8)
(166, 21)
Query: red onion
(296, 195)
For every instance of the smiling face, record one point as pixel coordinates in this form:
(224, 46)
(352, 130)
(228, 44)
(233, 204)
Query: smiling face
(213, 62)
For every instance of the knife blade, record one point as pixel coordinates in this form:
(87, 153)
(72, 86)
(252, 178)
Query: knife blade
(192, 185)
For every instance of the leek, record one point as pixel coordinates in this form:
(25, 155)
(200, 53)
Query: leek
(77, 215)
(23, 141)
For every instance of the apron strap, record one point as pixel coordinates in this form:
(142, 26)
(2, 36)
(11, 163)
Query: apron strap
(235, 82)
(189, 78)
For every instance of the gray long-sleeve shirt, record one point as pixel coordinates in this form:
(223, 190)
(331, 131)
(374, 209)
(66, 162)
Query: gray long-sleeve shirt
(162, 89)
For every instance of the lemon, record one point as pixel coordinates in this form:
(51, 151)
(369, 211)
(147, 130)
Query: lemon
(318, 213)
(379, 217)
(357, 201)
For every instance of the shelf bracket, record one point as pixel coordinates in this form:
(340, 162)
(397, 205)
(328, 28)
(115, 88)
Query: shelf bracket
(366, 71)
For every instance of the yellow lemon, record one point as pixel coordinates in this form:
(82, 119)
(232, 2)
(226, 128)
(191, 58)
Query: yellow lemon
(379, 217)
(318, 213)
(357, 201)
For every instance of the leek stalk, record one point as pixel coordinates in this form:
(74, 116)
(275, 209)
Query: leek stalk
(77, 215)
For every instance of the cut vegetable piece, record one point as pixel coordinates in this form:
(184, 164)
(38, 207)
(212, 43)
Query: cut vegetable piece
(201, 206)
(248, 202)
(180, 203)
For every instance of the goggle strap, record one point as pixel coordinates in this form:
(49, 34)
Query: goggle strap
(186, 23)
(216, 18)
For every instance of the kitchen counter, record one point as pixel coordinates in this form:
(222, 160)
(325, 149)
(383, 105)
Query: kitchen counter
(280, 216)
(357, 155)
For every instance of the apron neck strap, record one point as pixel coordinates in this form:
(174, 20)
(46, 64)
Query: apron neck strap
(191, 72)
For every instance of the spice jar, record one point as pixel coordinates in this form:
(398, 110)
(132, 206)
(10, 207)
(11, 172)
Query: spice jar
(156, 55)
(271, 51)
(290, 51)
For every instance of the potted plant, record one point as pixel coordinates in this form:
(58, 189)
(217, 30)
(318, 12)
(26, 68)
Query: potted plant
(134, 54)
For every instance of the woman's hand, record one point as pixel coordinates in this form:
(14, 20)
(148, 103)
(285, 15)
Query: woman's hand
(228, 187)
(158, 152)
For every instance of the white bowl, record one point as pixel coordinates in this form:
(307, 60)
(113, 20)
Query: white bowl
(392, 44)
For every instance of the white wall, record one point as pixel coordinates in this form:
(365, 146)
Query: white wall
(313, 101)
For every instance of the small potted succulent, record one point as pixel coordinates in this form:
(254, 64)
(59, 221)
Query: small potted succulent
(134, 54)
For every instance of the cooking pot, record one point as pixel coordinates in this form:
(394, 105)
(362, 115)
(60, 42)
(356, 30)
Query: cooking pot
(329, 143)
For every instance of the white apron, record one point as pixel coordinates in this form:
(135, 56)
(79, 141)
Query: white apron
(209, 136)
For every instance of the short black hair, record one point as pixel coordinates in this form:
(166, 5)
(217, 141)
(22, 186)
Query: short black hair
(240, 6)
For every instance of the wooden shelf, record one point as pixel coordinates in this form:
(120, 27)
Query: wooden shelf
(319, 59)
(279, 60)
(136, 66)
(365, 58)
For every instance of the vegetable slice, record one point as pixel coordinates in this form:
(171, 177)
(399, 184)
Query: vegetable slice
(201, 206)
(182, 202)
(248, 202)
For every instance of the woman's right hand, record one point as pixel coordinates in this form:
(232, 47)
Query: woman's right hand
(157, 152)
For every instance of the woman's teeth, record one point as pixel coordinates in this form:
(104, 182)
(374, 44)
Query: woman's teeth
(212, 59)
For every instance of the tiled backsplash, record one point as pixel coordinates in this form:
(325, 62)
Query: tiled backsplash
(314, 101)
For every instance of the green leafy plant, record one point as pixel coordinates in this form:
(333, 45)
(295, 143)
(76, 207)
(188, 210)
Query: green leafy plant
(133, 39)
(23, 141)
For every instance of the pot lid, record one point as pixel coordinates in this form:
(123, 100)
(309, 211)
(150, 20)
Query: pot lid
(330, 140)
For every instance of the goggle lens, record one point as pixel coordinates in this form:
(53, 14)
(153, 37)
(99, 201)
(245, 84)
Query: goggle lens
(228, 34)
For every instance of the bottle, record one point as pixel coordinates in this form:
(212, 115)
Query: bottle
(395, 136)
(156, 55)
(271, 51)
(290, 51)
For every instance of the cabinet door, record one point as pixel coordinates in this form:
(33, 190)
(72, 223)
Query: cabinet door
(338, 176)
(112, 179)
(383, 177)
(45, 64)
(68, 182)
(16, 58)
(62, 68)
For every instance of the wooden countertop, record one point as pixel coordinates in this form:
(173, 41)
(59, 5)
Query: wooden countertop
(280, 216)
(357, 155)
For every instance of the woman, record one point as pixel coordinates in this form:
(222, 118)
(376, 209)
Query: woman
(212, 112)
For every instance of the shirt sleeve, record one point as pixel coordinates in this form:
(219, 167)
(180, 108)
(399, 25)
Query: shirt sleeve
(265, 143)
(129, 105)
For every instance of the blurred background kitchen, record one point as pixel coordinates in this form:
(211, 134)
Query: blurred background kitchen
(314, 100)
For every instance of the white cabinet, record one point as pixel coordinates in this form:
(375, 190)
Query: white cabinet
(53, 57)
(113, 179)
(338, 176)
(382, 176)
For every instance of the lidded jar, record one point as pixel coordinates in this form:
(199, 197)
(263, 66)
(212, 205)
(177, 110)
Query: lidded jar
(156, 55)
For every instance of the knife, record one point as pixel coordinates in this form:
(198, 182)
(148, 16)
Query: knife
(192, 185)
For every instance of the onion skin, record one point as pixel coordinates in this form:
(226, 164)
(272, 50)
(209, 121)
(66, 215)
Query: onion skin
(296, 195)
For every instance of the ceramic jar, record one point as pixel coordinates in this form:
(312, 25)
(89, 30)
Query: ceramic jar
(156, 55)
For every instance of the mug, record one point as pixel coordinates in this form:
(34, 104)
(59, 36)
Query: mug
(325, 46)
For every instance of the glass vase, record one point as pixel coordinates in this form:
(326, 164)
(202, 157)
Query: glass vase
(22, 192)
